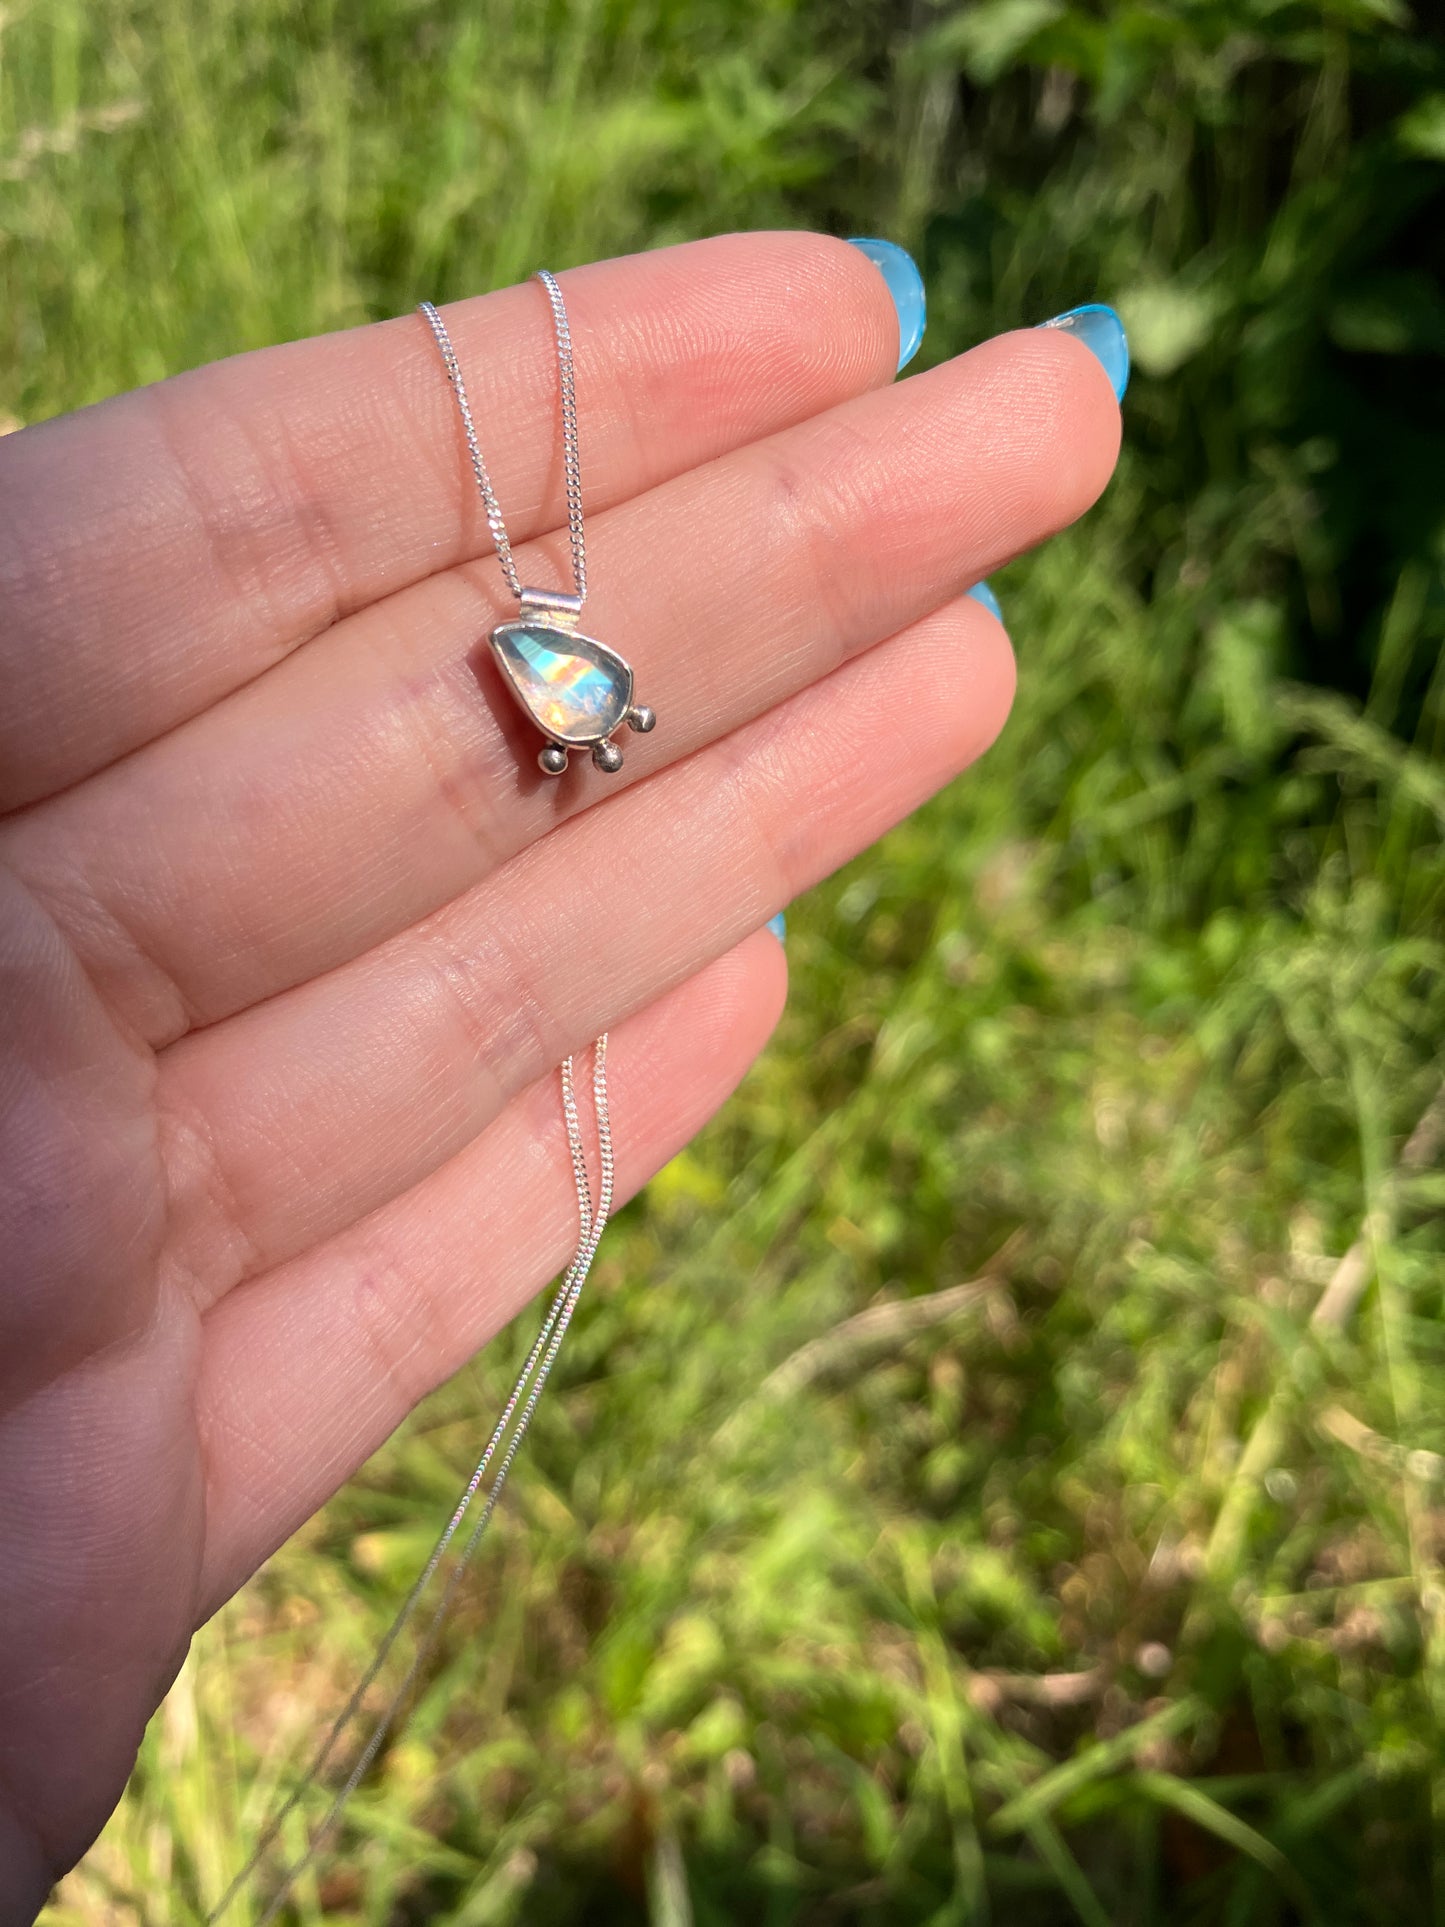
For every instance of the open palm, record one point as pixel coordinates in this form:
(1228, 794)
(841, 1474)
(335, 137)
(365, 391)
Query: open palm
(293, 930)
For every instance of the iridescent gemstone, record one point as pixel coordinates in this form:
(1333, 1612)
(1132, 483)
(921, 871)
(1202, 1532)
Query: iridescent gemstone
(575, 689)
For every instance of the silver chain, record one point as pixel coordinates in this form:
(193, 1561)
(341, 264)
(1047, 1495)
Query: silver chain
(571, 452)
(525, 1394)
(592, 1218)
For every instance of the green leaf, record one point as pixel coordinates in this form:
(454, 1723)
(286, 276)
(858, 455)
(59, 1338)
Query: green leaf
(987, 40)
(669, 1903)
(1246, 646)
(1170, 1791)
(1422, 130)
(1399, 314)
(1049, 1844)
(1167, 324)
(1092, 1764)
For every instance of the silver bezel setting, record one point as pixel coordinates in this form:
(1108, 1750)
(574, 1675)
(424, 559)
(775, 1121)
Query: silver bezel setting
(554, 610)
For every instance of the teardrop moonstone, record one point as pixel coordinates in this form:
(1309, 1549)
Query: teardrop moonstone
(575, 689)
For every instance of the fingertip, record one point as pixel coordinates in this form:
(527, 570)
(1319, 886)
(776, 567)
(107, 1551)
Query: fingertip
(905, 288)
(994, 671)
(972, 657)
(875, 297)
(1093, 423)
(1100, 329)
(766, 961)
(726, 1013)
(1054, 420)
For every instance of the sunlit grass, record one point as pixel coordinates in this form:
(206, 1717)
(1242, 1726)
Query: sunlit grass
(1116, 1596)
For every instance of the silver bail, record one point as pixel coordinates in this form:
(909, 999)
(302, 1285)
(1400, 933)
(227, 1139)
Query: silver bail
(552, 606)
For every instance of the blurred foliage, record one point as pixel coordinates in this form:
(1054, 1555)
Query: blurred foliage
(1117, 1595)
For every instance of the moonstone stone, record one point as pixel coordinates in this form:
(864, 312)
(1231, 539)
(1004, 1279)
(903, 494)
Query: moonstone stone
(575, 689)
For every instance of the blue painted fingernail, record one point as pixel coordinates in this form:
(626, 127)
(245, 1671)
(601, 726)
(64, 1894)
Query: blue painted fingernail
(1102, 333)
(985, 596)
(779, 926)
(905, 284)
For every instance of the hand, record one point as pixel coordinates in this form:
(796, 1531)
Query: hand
(294, 932)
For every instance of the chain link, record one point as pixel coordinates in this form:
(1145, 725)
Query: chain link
(571, 449)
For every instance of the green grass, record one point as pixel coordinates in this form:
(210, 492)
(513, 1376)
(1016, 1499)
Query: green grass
(1117, 1596)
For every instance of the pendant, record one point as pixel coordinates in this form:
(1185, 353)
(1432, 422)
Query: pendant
(575, 689)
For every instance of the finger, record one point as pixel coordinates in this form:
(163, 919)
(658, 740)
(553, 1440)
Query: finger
(308, 1370)
(288, 1122)
(377, 776)
(163, 548)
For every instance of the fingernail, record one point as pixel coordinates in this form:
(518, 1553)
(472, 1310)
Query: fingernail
(779, 926)
(1102, 333)
(905, 284)
(985, 596)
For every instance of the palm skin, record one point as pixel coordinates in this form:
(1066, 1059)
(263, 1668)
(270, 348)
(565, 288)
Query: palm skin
(294, 935)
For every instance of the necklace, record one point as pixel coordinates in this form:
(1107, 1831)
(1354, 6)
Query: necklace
(575, 689)
(577, 695)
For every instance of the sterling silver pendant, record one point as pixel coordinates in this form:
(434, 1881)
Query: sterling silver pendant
(575, 689)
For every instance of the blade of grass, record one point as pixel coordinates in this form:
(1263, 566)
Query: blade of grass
(1049, 1844)
(1167, 1790)
(1106, 1757)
